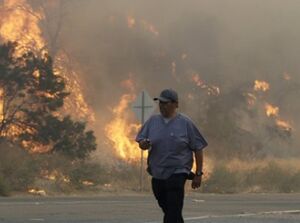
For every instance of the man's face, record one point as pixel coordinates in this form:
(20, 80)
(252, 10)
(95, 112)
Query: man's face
(167, 109)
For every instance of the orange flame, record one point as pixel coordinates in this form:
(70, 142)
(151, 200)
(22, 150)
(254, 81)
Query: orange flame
(200, 83)
(271, 110)
(37, 192)
(211, 89)
(121, 132)
(54, 175)
(20, 23)
(88, 183)
(284, 125)
(261, 85)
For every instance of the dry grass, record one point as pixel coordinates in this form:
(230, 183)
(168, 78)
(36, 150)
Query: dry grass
(269, 175)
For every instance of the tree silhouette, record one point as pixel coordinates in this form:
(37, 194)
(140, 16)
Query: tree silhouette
(31, 96)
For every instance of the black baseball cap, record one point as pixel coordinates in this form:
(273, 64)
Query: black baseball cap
(167, 95)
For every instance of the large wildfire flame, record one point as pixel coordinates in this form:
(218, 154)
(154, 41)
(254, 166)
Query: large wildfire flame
(20, 23)
(122, 132)
(76, 103)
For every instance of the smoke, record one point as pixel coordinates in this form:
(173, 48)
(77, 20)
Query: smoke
(160, 44)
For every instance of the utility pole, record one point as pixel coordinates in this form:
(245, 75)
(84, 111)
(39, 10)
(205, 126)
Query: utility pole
(143, 108)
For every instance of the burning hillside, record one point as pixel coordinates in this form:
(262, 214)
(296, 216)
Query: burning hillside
(20, 23)
(236, 77)
(24, 21)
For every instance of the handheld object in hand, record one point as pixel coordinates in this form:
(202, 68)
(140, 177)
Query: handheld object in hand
(191, 176)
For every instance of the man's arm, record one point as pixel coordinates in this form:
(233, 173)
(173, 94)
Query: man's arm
(144, 144)
(143, 134)
(196, 183)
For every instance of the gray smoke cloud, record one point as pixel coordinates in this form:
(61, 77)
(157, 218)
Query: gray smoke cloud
(227, 43)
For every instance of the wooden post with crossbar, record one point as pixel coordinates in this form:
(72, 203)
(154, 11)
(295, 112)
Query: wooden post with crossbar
(142, 108)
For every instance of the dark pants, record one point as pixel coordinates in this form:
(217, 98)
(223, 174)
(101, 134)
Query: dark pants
(170, 195)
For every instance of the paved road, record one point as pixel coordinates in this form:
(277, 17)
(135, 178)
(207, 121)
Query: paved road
(199, 208)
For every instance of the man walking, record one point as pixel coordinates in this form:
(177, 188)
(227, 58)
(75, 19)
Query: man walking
(171, 139)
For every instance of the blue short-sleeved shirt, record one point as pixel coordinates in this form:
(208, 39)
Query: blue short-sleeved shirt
(173, 144)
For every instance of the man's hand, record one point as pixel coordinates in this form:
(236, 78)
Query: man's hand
(144, 144)
(196, 183)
